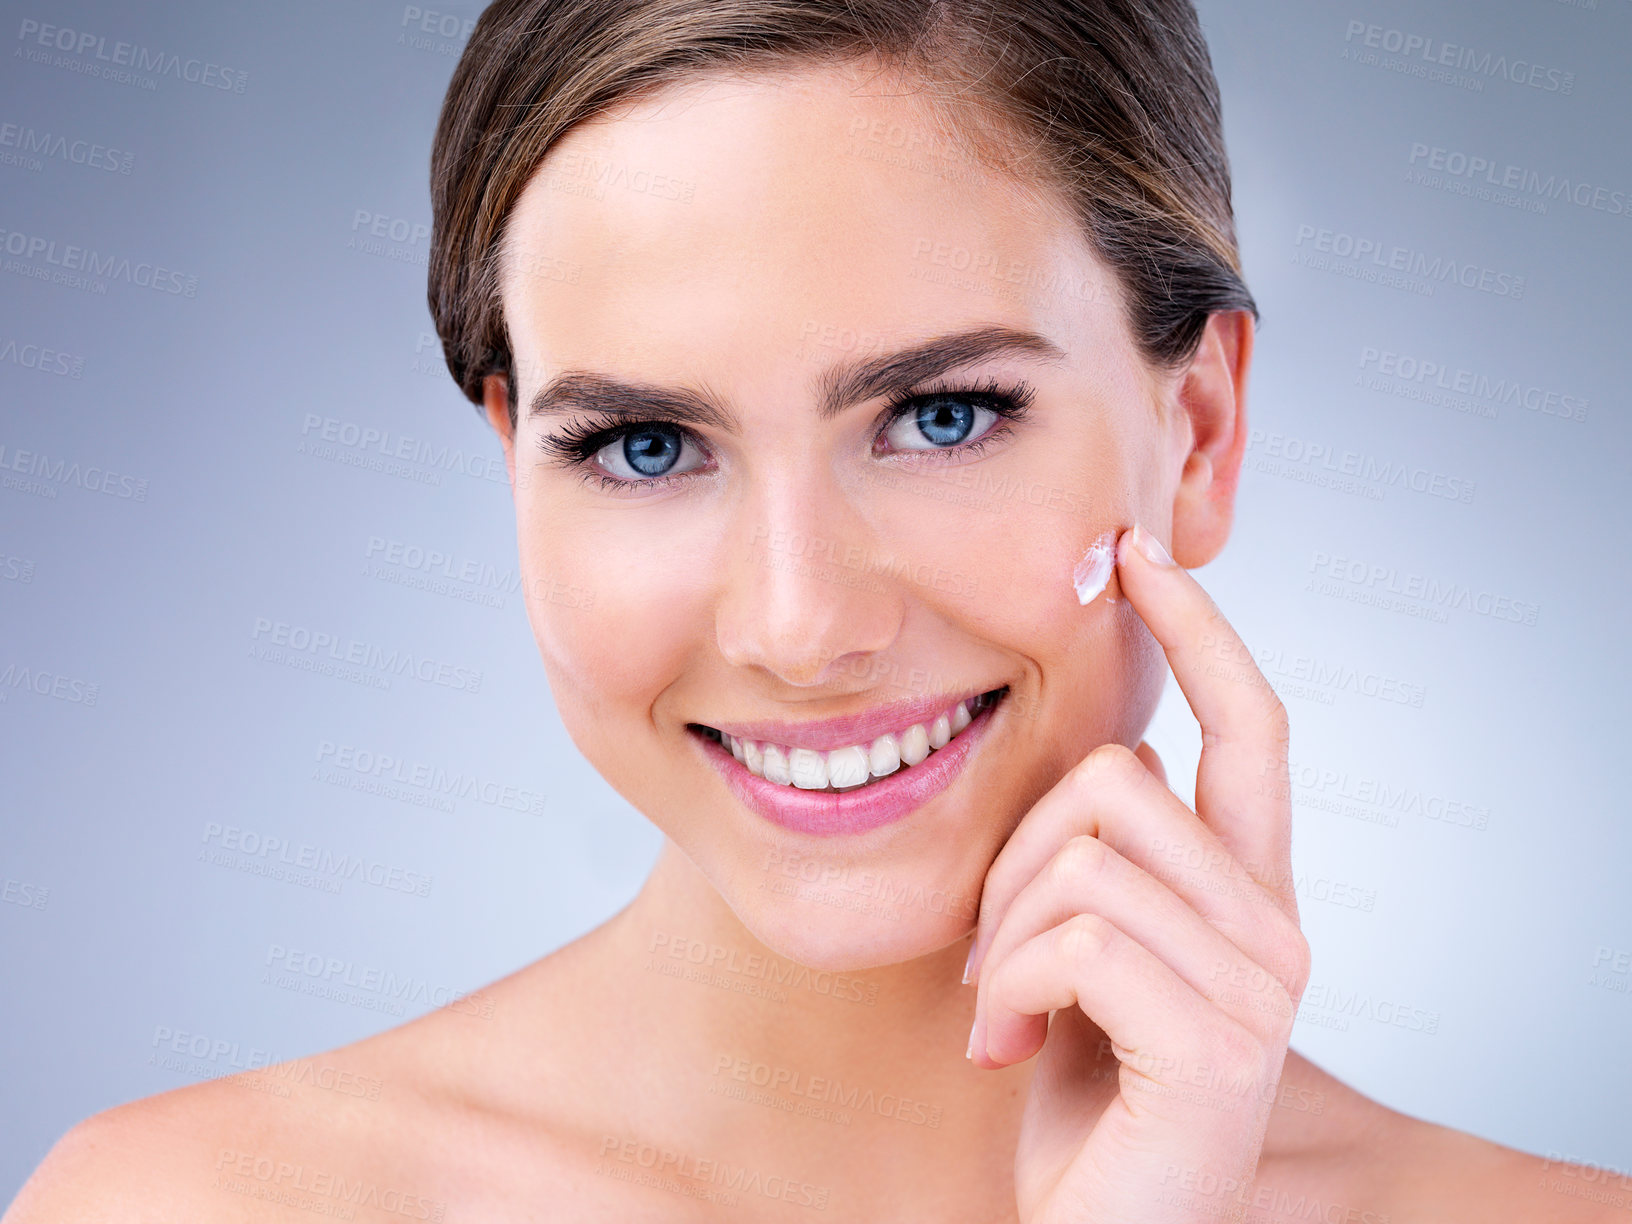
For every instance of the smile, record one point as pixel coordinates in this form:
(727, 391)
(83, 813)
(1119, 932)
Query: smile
(846, 775)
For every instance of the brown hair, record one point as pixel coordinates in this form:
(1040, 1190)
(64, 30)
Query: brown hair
(1114, 102)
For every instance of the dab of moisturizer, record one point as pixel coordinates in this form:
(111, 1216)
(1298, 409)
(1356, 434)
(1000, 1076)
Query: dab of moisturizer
(1094, 570)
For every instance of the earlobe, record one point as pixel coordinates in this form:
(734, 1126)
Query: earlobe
(1212, 397)
(496, 404)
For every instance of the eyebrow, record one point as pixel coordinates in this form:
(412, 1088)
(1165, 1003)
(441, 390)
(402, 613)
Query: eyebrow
(837, 388)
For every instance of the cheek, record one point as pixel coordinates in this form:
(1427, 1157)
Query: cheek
(1014, 577)
(1001, 541)
(1004, 542)
(1099, 668)
(611, 605)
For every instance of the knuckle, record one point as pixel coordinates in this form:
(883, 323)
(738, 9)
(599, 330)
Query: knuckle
(1081, 858)
(1297, 959)
(1109, 763)
(1288, 945)
(1084, 937)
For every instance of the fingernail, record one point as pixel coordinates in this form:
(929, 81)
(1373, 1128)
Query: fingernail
(969, 1053)
(968, 961)
(1151, 546)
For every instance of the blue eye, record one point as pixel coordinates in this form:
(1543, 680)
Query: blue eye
(947, 417)
(645, 452)
(945, 420)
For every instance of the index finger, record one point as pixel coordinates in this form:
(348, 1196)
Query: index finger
(1241, 791)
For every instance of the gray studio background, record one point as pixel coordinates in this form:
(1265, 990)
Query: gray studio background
(1452, 644)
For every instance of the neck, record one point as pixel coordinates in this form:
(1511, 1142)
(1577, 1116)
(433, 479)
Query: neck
(851, 1081)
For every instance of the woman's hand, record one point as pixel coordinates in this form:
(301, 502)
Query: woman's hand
(1168, 939)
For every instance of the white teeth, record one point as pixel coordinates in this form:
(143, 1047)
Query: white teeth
(776, 766)
(914, 744)
(885, 756)
(853, 765)
(940, 733)
(807, 768)
(847, 766)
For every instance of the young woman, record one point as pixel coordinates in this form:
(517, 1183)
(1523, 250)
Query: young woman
(869, 376)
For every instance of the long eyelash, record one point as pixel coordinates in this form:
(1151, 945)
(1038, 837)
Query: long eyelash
(1012, 403)
(576, 442)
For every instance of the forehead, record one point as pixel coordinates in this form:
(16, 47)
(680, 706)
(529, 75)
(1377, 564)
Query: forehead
(727, 224)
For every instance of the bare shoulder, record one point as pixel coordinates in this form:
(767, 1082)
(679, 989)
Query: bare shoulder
(1363, 1161)
(1440, 1173)
(321, 1134)
(471, 1111)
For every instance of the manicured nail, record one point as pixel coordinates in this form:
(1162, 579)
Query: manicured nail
(969, 1053)
(1150, 546)
(969, 960)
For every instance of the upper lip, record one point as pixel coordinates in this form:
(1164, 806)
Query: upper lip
(862, 727)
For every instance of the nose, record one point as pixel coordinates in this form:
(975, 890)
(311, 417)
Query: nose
(808, 595)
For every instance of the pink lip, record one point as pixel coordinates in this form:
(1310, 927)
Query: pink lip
(829, 814)
(826, 734)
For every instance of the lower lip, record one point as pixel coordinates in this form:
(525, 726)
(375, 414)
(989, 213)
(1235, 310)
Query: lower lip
(831, 813)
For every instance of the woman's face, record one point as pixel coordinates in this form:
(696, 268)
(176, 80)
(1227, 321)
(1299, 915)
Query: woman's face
(801, 551)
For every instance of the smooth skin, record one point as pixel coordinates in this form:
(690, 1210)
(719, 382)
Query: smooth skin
(1164, 941)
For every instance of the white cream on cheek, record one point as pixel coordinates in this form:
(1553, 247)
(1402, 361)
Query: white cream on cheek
(1094, 570)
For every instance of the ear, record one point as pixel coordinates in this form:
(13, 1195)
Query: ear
(1212, 397)
(496, 403)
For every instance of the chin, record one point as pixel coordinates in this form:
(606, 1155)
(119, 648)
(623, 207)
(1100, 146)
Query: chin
(864, 924)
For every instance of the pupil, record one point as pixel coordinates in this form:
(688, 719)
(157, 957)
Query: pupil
(651, 452)
(945, 422)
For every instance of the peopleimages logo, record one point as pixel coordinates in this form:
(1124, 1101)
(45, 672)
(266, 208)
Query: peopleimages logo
(1390, 799)
(69, 258)
(1292, 454)
(1390, 257)
(268, 854)
(48, 684)
(1434, 51)
(300, 647)
(388, 768)
(850, 1098)
(1474, 168)
(286, 966)
(1385, 370)
(45, 360)
(30, 143)
(761, 967)
(65, 472)
(434, 563)
(1343, 1005)
(369, 445)
(203, 1057)
(97, 57)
